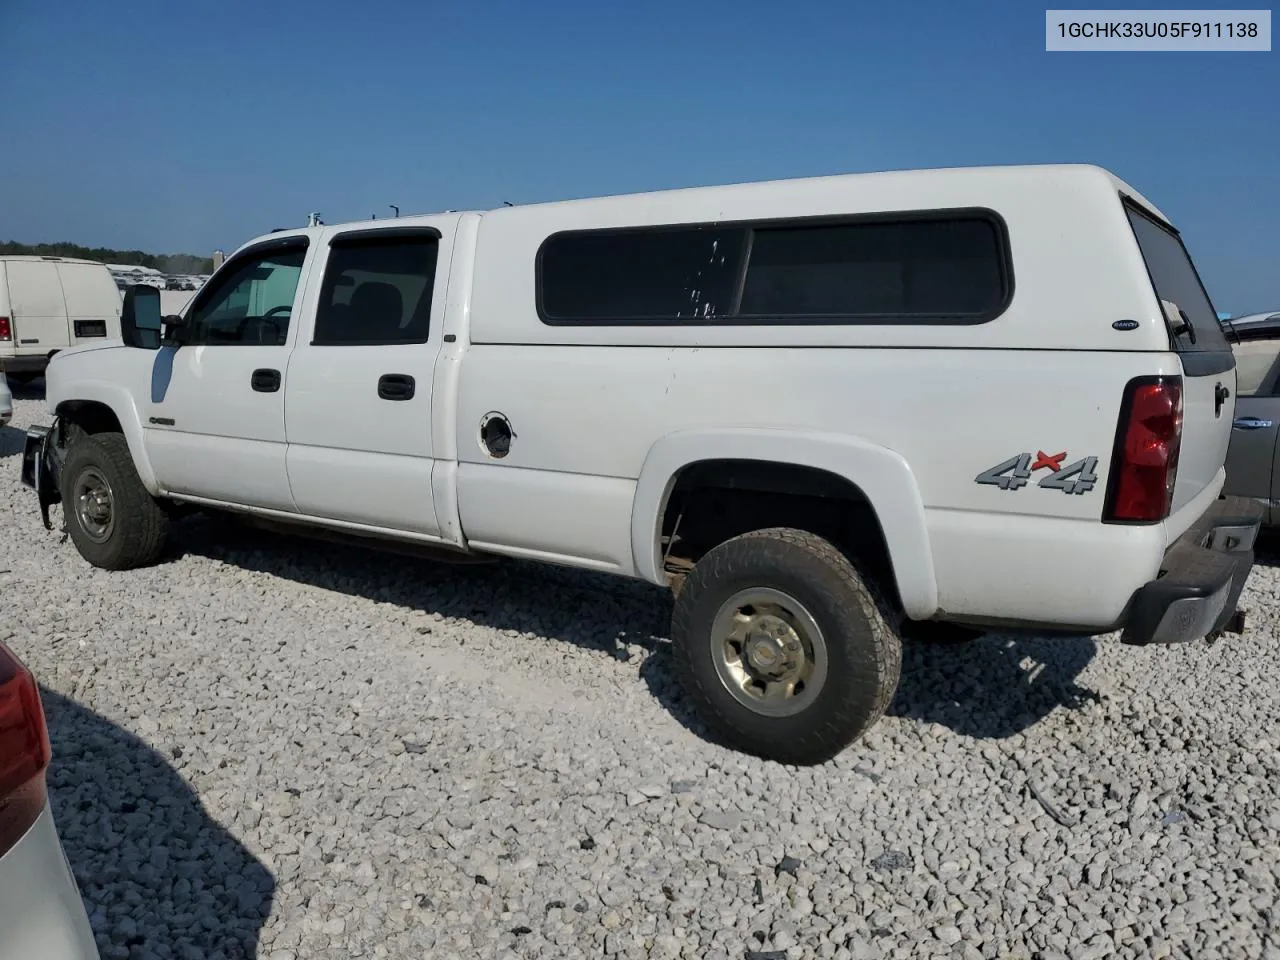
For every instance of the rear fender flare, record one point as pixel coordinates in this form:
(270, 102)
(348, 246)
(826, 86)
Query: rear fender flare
(882, 475)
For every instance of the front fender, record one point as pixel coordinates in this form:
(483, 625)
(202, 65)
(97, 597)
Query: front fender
(880, 473)
(120, 402)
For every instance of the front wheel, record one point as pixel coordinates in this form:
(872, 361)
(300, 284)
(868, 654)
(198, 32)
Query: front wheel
(786, 651)
(111, 518)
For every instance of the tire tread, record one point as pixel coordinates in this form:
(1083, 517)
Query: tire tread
(854, 598)
(142, 527)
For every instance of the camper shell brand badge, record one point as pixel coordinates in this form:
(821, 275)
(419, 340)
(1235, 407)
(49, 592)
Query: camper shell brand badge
(1015, 473)
(1125, 325)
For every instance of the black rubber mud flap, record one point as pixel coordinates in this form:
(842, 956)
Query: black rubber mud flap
(46, 479)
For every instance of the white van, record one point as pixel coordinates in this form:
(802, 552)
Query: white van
(48, 304)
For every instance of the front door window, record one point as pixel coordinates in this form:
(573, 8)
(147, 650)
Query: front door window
(251, 304)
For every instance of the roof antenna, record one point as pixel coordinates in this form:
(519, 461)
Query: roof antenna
(507, 203)
(395, 208)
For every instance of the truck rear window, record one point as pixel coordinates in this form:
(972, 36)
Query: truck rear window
(1175, 280)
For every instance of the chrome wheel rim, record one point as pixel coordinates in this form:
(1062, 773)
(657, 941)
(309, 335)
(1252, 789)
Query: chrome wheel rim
(769, 651)
(94, 505)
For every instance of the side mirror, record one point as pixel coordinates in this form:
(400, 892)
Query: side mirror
(140, 317)
(173, 330)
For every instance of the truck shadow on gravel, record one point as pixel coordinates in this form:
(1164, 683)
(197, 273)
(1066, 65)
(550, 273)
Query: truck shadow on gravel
(992, 688)
(159, 876)
(1267, 548)
(33, 390)
(11, 441)
(996, 686)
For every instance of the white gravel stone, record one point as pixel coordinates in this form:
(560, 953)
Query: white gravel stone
(277, 748)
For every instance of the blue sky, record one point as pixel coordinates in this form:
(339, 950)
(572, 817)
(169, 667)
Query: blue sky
(181, 127)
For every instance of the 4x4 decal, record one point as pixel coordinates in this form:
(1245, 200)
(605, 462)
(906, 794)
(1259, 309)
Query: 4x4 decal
(1014, 473)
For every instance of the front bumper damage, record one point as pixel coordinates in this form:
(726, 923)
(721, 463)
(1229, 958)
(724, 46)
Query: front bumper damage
(1201, 579)
(41, 464)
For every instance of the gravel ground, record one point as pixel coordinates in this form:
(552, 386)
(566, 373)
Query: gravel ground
(268, 747)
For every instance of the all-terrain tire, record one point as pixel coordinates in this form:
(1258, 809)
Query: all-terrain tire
(138, 528)
(859, 632)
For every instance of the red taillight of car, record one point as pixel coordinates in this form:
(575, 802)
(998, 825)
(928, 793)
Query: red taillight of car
(24, 750)
(6, 330)
(1145, 462)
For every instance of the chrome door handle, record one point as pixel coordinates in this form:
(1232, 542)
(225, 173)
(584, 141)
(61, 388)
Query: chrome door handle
(1250, 423)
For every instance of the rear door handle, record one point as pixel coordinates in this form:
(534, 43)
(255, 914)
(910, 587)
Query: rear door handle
(396, 386)
(1250, 423)
(265, 381)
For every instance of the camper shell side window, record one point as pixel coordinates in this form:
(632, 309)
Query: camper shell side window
(929, 267)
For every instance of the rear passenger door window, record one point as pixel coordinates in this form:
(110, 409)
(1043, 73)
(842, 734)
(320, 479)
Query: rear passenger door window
(377, 289)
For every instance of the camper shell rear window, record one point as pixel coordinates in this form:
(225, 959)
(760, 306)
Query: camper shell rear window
(1175, 281)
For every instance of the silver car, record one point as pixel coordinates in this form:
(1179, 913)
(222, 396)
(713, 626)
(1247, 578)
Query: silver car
(41, 913)
(1253, 469)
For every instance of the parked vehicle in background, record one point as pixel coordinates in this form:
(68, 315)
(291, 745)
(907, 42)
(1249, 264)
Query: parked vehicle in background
(1253, 460)
(705, 389)
(1250, 320)
(48, 304)
(41, 912)
(174, 301)
(6, 400)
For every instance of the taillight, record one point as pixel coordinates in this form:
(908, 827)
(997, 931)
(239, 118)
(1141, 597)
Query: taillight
(6, 331)
(24, 750)
(1144, 465)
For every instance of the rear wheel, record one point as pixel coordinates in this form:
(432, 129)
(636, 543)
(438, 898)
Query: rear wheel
(110, 517)
(786, 651)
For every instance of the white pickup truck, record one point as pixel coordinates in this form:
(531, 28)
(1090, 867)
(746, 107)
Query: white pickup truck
(827, 412)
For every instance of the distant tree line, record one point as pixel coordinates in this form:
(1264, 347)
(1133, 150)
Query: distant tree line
(171, 263)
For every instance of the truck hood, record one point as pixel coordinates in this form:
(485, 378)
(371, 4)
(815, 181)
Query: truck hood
(116, 344)
(107, 372)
